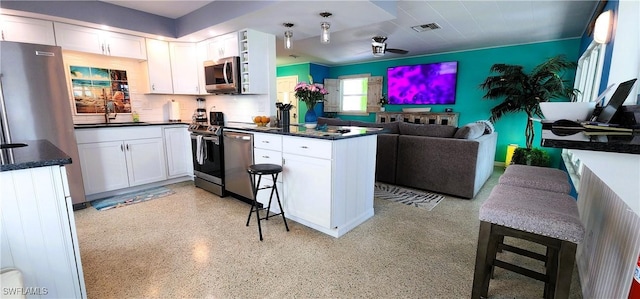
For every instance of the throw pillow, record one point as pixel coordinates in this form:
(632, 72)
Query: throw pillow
(426, 130)
(488, 126)
(470, 131)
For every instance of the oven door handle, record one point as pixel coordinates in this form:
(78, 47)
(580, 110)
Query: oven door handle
(215, 140)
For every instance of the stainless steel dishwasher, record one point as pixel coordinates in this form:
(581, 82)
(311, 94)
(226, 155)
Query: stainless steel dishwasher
(238, 155)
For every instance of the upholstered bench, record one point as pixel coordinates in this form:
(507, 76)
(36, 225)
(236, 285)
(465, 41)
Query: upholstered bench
(547, 218)
(542, 178)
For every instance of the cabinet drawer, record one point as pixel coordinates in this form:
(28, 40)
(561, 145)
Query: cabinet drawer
(117, 134)
(267, 141)
(261, 156)
(307, 147)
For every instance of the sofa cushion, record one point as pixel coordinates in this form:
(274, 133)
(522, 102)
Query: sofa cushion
(428, 130)
(333, 121)
(470, 131)
(392, 127)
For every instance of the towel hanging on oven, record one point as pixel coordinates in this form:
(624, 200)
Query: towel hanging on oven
(201, 149)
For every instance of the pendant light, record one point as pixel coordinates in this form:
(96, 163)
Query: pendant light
(288, 34)
(324, 35)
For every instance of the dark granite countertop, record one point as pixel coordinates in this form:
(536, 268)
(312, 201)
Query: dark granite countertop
(629, 144)
(126, 124)
(327, 132)
(36, 153)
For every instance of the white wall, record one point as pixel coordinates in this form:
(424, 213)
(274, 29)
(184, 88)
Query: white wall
(625, 61)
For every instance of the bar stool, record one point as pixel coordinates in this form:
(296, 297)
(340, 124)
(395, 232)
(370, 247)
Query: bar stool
(543, 178)
(260, 170)
(547, 218)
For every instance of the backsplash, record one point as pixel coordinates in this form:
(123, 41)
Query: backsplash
(152, 107)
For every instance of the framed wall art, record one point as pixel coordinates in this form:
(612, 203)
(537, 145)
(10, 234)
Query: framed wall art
(95, 88)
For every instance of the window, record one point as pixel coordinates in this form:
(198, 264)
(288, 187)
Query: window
(356, 94)
(353, 94)
(588, 75)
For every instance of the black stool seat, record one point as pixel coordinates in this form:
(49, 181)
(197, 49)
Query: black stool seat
(259, 170)
(264, 169)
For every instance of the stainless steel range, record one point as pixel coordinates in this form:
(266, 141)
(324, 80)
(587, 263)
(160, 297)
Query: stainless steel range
(208, 157)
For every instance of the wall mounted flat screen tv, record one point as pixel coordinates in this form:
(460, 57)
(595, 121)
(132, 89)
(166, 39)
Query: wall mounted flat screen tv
(422, 84)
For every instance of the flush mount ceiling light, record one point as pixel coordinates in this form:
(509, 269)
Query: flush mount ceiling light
(324, 35)
(602, 30)
(288, 34)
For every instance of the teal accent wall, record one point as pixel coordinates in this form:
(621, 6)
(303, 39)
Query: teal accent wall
(473, 68)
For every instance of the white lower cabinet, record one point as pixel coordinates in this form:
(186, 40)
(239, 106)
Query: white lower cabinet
(39, 235)
(116, 158)
(307, 183)
(177, 145)
(268, 150)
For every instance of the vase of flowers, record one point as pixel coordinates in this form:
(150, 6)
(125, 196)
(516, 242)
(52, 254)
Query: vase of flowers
(310, 94)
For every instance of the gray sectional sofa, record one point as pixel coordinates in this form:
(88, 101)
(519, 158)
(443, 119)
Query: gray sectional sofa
(439, 158)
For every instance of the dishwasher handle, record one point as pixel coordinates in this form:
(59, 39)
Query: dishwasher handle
(238, 136)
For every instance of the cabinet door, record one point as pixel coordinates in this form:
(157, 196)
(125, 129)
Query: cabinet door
(27, 30)
(184, 66)
(104, 167)
(145, 161)
(78, 38)
(124, 45)
(307, 185)
(178, 148)
(159, 66)
(230, 45)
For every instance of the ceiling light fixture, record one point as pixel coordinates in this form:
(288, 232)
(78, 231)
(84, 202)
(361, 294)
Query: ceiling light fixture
(324, 35)
(288, 34)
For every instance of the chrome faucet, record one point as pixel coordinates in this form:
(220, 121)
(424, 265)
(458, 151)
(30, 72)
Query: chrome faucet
(109, 107)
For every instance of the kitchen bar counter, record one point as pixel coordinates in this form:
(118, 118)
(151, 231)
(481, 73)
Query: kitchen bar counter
(326, 132)
(328, 177)
(126, 124)
(36, 153)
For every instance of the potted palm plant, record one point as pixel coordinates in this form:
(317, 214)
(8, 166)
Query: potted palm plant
(522, 92)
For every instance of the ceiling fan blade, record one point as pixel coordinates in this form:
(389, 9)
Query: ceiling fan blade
(397, 51)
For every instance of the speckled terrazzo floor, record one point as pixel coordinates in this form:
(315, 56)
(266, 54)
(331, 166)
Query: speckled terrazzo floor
(194, 244)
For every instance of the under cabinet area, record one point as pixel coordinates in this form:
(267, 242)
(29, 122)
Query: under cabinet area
(116, 158)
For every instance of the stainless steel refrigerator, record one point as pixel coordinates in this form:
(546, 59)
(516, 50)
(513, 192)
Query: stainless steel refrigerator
(34, 103)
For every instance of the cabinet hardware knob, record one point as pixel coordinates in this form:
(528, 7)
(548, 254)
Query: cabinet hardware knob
(264, 141)
(109, 49)
(266, 157)
(102, 48)
(127, 147)
(304, 146)
(121, 148)
(153, 87)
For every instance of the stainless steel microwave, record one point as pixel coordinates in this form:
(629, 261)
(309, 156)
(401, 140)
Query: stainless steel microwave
(222, 76)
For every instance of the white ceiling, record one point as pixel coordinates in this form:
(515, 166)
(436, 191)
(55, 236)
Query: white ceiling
(466, 24)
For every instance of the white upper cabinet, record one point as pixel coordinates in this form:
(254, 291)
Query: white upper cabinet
(184, 67)
(90, 40)
(159, 67)
(258, 61)
(222, 46)
(27, 30)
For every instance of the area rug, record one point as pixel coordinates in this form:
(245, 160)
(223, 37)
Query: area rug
(130, 198)
(410, 197)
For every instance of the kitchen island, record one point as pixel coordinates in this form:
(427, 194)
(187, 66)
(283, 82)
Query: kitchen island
(328, 175)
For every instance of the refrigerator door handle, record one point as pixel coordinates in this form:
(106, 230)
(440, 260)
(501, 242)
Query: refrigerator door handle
(6, 137)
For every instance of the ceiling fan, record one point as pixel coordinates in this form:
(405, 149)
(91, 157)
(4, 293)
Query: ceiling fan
(379, 47)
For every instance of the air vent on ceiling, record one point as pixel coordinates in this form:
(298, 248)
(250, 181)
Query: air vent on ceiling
(425, 27)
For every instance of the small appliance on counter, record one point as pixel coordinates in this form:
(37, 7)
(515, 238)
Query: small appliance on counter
(282, 116)
(216, 118)
(201, 112)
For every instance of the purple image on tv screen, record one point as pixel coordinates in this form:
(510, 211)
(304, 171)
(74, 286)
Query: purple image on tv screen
(433, 83)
